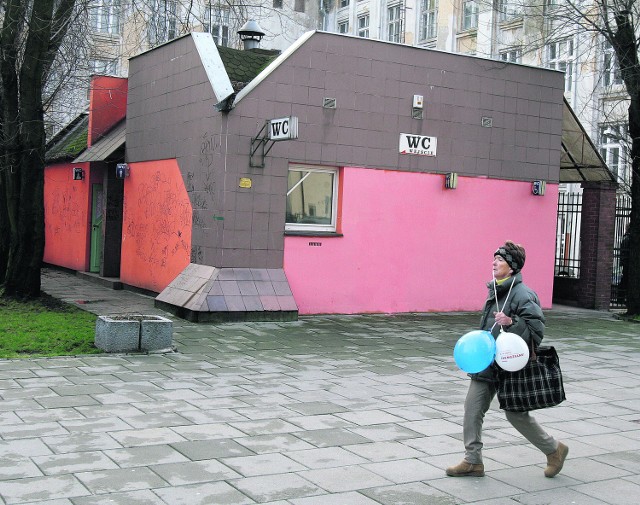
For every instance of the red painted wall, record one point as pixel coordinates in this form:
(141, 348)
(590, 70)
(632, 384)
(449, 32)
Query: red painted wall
(108, 104)
(67, 210)
(156, 230)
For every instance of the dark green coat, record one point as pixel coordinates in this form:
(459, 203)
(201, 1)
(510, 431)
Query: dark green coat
(523, 308)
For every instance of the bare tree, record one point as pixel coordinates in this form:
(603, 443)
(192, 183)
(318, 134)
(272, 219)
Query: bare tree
(32, 32)
(616, 22)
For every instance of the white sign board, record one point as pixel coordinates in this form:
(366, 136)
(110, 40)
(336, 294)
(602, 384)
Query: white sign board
(418, 144)
(285, 128)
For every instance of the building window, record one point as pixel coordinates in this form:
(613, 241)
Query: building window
(298, 6)
(105, 16)
(163, 23)
(613, 138)
(394, 23)
(104, 67)
(428, 19)
(469, 14)
(277, 4)
(511, 55)
(344, 3)
(509, 9)
(363, 26)
(343, 26)
(217, 21)
(611, 75)
(312, 195)
(560, 56)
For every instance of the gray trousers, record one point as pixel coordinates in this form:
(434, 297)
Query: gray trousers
(476, 405)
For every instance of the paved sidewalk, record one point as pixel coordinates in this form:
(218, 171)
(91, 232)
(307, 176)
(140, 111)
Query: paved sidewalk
(328, 410)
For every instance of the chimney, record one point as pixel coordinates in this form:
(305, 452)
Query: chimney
(251, 34)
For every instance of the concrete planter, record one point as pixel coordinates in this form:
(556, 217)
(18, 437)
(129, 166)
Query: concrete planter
(133, 333)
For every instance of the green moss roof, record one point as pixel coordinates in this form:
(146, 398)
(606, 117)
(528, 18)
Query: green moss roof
(244, 66)
(70, 142)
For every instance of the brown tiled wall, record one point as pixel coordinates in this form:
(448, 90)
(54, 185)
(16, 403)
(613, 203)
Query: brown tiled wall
(171, 114)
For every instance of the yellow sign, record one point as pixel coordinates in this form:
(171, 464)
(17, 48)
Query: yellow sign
(245, 182)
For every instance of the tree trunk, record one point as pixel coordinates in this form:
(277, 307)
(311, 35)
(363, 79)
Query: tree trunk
(633, 283)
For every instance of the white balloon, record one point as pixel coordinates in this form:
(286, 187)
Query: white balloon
(512, 352)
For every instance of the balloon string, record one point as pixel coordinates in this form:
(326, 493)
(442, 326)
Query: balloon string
(495, 292)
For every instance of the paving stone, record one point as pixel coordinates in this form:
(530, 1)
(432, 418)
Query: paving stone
(409, 494)
(263, 464)
(128, 498)
(145, 456)
(117, 481)
(273, 443)
(347, 478)
(285, 487)
(178, 474)
(328, 457)
(208, 449)
(74, 462)
(41, 488)
(218, 493)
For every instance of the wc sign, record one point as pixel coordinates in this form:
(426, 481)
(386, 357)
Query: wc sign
(285, 128)
(418, 144)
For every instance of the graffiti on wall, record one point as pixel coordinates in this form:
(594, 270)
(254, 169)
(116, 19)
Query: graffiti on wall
(157, 226)
(65, 213)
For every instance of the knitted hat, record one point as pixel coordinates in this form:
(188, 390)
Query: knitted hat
(513, 254)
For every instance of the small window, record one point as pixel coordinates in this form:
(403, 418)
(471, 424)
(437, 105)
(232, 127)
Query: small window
(611, 75)
(469, 14)
(511, 55)
(277, 4)
(344, 3)
(343, 26)
(298, 6)
(395, 23)
(363, 26)
(312, 199)
(428, 19)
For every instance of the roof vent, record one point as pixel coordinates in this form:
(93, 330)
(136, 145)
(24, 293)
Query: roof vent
(251, 34)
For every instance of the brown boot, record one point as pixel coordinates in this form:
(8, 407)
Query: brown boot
(555, 460)
(466, 469)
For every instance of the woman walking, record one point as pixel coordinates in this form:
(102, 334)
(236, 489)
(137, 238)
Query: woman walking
(518, 312)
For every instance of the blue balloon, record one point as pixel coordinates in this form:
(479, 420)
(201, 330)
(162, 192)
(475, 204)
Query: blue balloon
(475, 351)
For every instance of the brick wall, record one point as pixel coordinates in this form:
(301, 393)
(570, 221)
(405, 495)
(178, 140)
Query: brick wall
(596, 250)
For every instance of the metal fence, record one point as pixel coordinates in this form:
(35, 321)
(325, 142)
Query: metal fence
(623, 217)
(567, 263)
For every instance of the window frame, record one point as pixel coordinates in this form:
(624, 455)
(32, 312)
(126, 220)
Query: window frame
(611, 139)
(343, 26)
(363, 31)
(428, 20)
(511, 55)
(560, 55)
(611, 74)
(217, 23)
(470, 13)
(106, 17)
(314, 227)
(395, 23)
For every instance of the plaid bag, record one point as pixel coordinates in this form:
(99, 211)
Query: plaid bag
(537, 386)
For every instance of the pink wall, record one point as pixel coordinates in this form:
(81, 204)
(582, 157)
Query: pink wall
(410, 245)
(156, 225)
(67, 211)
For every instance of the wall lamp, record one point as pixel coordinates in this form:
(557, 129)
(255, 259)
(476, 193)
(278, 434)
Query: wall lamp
(538, 187)
(451, 180)
(78, 174)
(122, 170)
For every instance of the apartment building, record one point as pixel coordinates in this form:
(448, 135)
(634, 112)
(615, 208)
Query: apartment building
(120, 29)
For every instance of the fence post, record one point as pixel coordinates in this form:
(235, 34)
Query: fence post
(596, 250)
